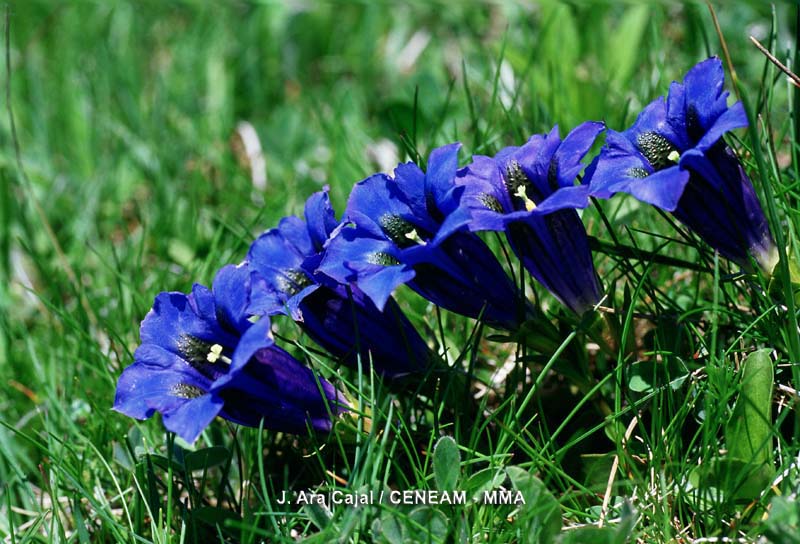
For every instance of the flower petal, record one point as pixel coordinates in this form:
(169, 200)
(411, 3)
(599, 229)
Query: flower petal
(662, 189)
(160, 381)
(174, 316)
(320, 218)
(619, 162)
(377, 197)
(148, 384)
(280, 257)
(537, 158)
(654, 120)
(352, 256)
(257, 337)
(573, 148)
(272, 254)
(555, 250)
(190, 418)
(733, 118)
(703, 85)
(442, 167)
(381, 283)
(231, 290)
(566, 197)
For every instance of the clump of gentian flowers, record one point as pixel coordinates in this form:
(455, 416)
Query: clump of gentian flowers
(340, 318)
(400, 230)
(211, 352)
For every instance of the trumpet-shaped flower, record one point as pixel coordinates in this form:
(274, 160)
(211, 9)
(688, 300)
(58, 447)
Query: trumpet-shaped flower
(674, 157)
(528, 192)
(407, 229)
(339, 318)
(201, 357)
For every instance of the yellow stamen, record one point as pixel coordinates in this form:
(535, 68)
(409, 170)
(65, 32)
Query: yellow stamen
(215, 353)
(674, 156)
(414, 237)
(530, 205)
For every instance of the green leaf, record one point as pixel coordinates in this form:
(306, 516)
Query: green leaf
(122, 456)
(427, 524)
(164, 463)
(783, 524)
(484, 480)
(213, 516)
(596, 467)
(80, 524)
(206, 458)
(446, 464)
(541, 511)
(647, 376)
(319, 514)
(136, 442)
(639, 381)
(749, 433)
(702, 490)
(389, 528)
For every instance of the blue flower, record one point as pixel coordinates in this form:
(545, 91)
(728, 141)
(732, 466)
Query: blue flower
(408, 229)
(201, 357)
(339, 318)
(674, 157)
(528, 192)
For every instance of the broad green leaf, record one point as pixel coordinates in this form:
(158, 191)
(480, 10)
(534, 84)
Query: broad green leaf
(541, 511)
(749, 432)
(701, 491)
(319, 514)
(389, 528)
(164, 463)
(783, 524)
(446, 464)
(596, 467)
(123, 457)
(647, 376)
(640, 381)
(484, 480)
(427, 524)
(206, 458)
(216, 517)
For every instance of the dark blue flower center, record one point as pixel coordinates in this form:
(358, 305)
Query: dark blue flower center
(657, 149)
(293, 281)
(693, 127)
(187, 391)
(193, 349)
(490, 202)
(400, 231)
(203, 356)
(523, 193)
(552, 174)
(637, 172)
(382, 258)
(432, 208)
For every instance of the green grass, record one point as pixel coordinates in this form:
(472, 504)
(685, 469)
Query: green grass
(129, 186)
